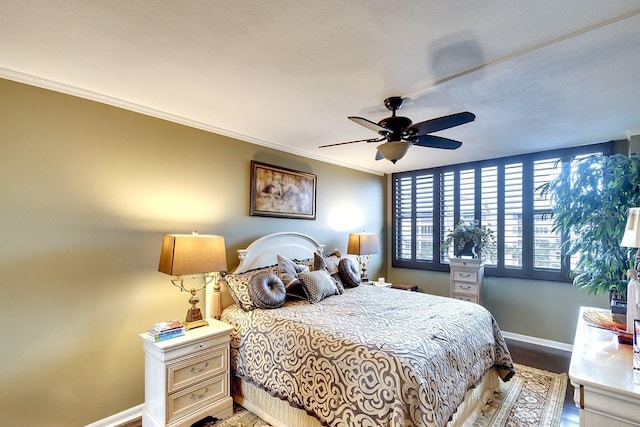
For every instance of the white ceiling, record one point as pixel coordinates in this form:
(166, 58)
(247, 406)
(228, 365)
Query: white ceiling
(286, 74)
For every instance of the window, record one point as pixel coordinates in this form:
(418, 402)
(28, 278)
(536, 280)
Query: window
(499, 193)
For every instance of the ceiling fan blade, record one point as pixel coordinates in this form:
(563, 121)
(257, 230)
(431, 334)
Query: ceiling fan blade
(436, 142)
(444, 122)
(368, 124)
(379, 155)
(352, 142)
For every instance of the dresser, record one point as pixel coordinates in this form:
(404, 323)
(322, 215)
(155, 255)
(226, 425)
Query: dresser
(601, 371)
(466, 279)
(187, 378)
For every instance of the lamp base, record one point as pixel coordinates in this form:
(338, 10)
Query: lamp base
(195, 324)
(194, 319)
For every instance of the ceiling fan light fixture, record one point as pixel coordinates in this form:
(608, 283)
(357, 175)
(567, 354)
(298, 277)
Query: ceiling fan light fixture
(401, 133)
(394, 150)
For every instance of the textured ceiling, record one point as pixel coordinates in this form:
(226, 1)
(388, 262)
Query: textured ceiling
(286, 74)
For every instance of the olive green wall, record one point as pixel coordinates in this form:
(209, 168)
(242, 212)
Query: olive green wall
(543, 310)
(87, 192)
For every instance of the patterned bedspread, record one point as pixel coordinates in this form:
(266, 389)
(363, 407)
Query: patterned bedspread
(370, 357)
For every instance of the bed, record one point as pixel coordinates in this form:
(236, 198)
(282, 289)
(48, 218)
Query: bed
(369, 356)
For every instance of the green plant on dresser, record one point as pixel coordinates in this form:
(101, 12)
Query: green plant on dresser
(470, 238)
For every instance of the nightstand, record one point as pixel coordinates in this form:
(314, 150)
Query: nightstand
(187, 378)
(466, 279)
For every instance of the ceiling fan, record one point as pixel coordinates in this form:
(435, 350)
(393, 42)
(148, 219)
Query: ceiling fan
(400, 132)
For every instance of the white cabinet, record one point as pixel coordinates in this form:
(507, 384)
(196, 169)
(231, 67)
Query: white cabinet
(601, 371)
(187, 378)
(466, 279)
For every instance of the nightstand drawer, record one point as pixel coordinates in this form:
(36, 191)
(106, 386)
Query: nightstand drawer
(190, 348)
(469, 298)
(465, 276)
(206, 393)
(465, 287)
(190, 371)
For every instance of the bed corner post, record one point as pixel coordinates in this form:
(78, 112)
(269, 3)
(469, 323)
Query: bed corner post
(216, 300)
(213, 298)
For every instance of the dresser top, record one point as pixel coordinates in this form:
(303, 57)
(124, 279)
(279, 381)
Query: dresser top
(599, 361)
(468, 262)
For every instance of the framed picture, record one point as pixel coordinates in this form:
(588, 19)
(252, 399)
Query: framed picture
(282, 192)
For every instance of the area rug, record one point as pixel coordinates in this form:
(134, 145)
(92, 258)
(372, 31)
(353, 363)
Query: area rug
(532, 398)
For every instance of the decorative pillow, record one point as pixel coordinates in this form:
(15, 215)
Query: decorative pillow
(330, 265)
(349, 273)
(308, 262)
(318, 284)
(239, 286)
(267, 290)
(297, 293)
(288, 272)
(329, 262)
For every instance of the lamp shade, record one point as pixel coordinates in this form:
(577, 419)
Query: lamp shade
(394, 150)
(631, 237)
(363, 244)
(184, 254)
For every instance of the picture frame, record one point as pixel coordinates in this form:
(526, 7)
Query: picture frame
(282, 192)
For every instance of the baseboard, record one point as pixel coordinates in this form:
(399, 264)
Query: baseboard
(126, 418)
(538, 341)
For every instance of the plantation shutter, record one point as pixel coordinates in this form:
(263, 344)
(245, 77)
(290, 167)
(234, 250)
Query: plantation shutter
(489, 205)
(503, 194)
(467, 196)
(513, 216)
(546, 243)
(447, 211)
(424, 217)
(403, 194)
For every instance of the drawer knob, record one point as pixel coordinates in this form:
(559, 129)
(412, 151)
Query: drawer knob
(465, 274)
(199, 396)
(197, 371)
(465, 287)
(201, 345)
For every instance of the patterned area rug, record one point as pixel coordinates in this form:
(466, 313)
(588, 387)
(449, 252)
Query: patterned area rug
(532, 398)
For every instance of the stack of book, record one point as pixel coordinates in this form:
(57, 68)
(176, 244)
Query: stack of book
(166, 330)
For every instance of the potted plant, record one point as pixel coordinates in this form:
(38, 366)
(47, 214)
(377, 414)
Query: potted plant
(590, 199)
(470, 239)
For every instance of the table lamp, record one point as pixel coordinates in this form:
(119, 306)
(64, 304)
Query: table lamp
(363, 245)
(631, 239)
(192, 255)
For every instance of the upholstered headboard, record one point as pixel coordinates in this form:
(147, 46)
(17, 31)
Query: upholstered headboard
(262, 252)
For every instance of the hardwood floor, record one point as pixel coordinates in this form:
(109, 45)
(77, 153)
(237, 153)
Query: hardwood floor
(551, 360)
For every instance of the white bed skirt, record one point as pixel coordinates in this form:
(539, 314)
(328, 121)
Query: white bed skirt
(279, 413)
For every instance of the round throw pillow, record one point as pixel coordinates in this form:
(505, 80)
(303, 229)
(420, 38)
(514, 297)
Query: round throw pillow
(348, 273)
(267, 290)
